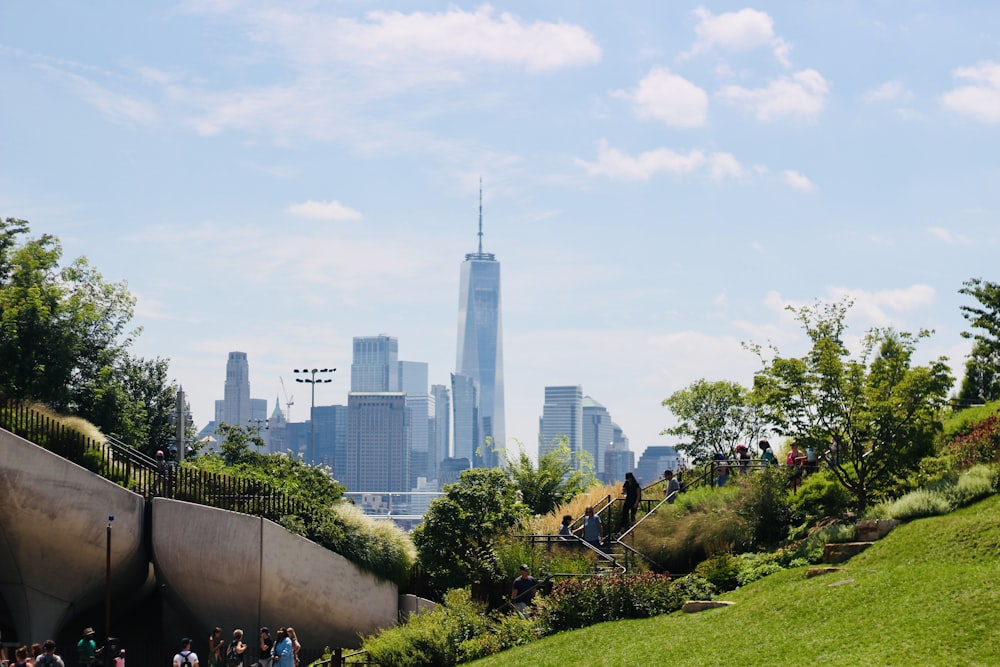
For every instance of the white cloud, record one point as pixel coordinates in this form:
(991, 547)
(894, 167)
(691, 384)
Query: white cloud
(980, 99)
(798, 181)
(889, 91)
(801, 95)
(877, 308)
(111, 105)
(324, 210)
(738, 31)
(667, 97)
(450, 41)
(616, 164)
(947, 236)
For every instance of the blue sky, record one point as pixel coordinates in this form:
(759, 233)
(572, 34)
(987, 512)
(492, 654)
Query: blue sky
(660, 179)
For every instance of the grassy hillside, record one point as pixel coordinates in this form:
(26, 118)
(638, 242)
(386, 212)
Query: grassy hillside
(927, 594)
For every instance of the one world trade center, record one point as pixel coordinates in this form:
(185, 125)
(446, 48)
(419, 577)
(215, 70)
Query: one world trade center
(477, 385)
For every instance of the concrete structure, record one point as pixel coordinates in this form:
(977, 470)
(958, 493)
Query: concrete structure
(420, 404)
(263, 575)
(562, 415)
(213, 566)
(480, 358)
(53, 538)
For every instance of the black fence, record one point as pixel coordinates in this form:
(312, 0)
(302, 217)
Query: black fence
(133, 470)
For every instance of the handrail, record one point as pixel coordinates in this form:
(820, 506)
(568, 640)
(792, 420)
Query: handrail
(119, 463)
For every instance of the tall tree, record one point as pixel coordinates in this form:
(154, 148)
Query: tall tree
(64, 341)
(982, 370)
(713, 417)
(874, 416)
(455, 542)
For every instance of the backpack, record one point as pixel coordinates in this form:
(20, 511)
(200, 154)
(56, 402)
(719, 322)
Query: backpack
(186, 662)
(233, 659)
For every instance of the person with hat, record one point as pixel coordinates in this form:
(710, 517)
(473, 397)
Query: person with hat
(523, 590)
(49, 657)
(186, 657)
(266, 647)
(86, 649)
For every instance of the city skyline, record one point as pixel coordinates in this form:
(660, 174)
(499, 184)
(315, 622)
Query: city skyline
(659, 183)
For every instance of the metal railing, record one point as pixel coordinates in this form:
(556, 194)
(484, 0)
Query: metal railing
(133, 470)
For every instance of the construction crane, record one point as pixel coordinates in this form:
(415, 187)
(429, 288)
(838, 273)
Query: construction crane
(289, 401)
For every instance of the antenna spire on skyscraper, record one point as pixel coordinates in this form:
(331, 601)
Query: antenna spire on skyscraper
(480, 215)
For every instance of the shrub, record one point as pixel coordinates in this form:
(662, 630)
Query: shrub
(810, 550)
(979, 444)
(974, 484)
(918, 504)
(703, 523)
(763, 505)
(721, 571)
(754, 566)
(505, 632)
(577, 603)
(429, 639)
(820, 496)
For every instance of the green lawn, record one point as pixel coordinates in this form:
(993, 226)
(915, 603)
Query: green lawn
(927, 594)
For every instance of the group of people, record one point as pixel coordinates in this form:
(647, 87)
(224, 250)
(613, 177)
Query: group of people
(44, 654)
(800, 463)
(282, 651)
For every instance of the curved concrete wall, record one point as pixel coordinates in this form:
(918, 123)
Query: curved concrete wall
(53, 537)
(235, 570)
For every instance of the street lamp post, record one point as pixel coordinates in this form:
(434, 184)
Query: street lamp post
(312, 381)
(107, 591)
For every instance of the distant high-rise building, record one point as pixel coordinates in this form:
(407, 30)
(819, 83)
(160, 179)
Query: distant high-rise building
(451, 469)
(562, 415)
(619, 459)
(654, 461)
(378, 443)
(331, 437)
(236, 409)
(375, 364)
(413, 383)
(480, 358)
(467, 423)
(441, 431)
(598, 433)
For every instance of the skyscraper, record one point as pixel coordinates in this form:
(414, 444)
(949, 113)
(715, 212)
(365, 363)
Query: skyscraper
(598, 433)
(562, 415)
(480, 360)
(375, 365)
(378, 451)
(236, 410)
(413, 382)
(441, 433)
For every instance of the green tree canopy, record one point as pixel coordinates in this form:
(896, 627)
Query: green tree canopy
(982, 370)
(64, 341)
(455, 542)
(874, 416)
(713, 417)
(559, 477)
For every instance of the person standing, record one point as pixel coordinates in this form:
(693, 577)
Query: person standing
(796, 462)
(186, 657)
(86, 649)
(592, 528)
(49, 658)
(284, 652)
(522, 591)
(215, 644)
(564, 530)
(266, 647)
(296, 646)
(767, 457)
(633, 494)
(673, 486)
(234, 654)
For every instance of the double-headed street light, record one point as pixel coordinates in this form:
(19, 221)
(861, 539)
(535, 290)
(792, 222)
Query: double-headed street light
(312, 380)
